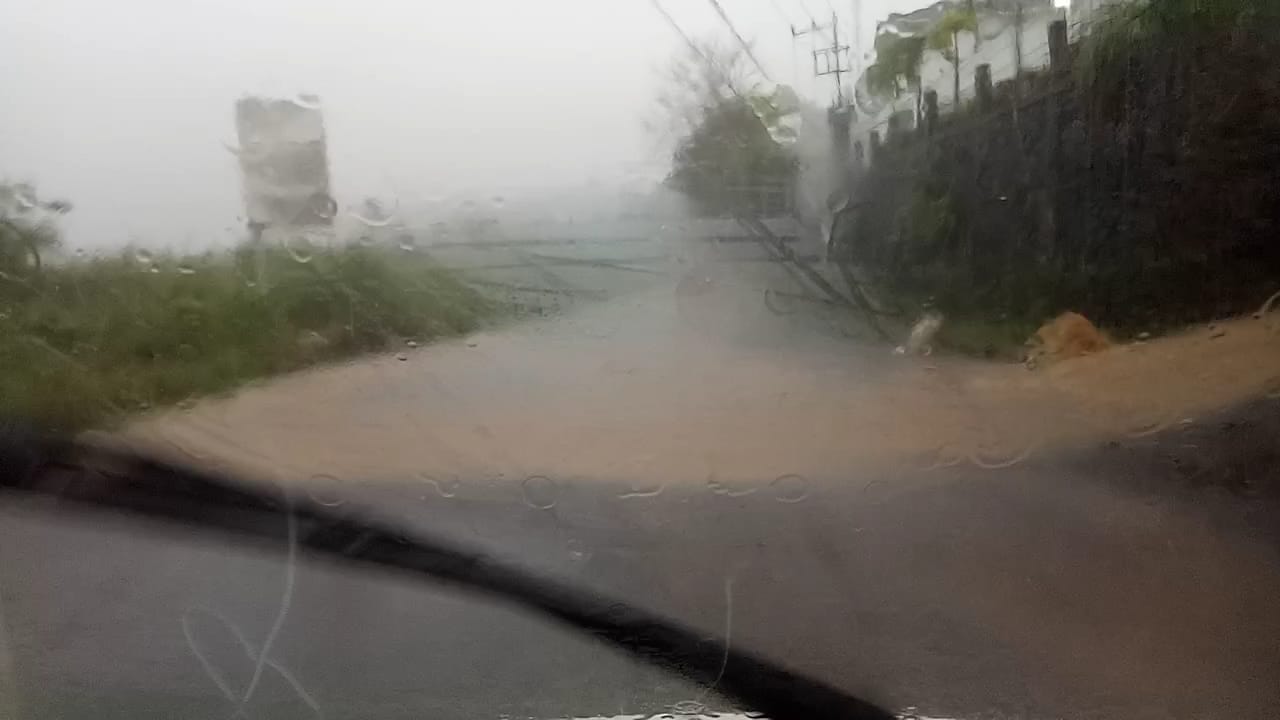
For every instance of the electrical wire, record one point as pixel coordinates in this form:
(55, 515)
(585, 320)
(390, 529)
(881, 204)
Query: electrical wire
(679, 31)
(778, 9)
(746, 47)
(711, 63)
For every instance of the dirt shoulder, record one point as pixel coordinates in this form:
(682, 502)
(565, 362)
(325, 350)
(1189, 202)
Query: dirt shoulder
(676, 405)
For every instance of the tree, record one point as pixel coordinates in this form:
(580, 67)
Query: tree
(728, 130)
(898, 59)
(26, 227)
(945, 38)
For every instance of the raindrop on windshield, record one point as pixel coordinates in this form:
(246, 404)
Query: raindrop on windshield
(374, 213)
(1265, 315)
(444, 488)
(407, 243)
(541, 492)
(1144, 424)
(944, 456)
(639, 490)
(306, 101)
(790, 488)
(688, 707)
(499, 201)
(143, 257)
(991, 458)
(323, 206)
(24, 198)
(250, 153)
(577, 551)
(185, 269)
(326, 490)
(719, 488)
(299, 246)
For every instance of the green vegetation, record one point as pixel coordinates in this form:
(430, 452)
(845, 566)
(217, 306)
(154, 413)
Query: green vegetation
(897, 65)
(729, 134)
(89, 341)
(26, 226)
(1173, 37)
(945, 38)
(1142, 194)
(982, 336)
(731, 148)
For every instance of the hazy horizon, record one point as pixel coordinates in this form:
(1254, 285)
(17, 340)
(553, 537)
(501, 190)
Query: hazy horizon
(126, 109)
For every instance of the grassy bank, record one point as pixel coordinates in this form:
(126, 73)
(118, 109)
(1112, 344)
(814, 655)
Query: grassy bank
(88, 342)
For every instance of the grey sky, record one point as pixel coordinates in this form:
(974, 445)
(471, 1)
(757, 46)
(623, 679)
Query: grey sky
(124, 107)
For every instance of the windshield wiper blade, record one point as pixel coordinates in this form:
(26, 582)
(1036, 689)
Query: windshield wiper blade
(122, 482)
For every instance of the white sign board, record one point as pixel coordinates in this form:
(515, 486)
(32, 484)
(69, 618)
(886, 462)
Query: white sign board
(284, 163)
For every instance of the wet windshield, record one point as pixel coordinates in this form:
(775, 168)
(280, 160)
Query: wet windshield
(929, 350)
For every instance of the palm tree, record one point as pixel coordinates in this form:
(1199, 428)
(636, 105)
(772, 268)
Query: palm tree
(897, 63)
(945, 38)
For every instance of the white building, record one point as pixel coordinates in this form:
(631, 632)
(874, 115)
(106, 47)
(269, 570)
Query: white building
(1002, 42)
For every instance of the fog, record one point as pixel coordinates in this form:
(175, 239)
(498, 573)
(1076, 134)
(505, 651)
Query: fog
(126, 108)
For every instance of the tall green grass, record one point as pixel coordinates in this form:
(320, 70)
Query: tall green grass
(1142, 41)
(89, 342)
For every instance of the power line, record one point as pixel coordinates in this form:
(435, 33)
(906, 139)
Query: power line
(711, 63)
(778, 9)
(832, 57)
(679, 31)
(813, 24)
(746, 47)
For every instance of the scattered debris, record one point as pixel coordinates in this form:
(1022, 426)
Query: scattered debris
(1070, 335)
(920, 342)
(411, 343)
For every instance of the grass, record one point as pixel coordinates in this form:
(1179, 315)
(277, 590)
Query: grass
(1132, 42)
(90, 342)
(1002, 339)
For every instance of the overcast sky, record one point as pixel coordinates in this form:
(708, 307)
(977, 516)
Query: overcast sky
(124, 107)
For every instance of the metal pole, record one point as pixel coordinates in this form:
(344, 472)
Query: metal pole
(835, 44)
(1017, 44)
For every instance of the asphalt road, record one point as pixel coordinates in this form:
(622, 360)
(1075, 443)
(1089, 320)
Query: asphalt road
(1126, 576)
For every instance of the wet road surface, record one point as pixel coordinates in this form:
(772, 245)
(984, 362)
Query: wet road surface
(932, 532)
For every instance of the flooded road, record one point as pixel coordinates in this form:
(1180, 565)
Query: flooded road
(969, 539)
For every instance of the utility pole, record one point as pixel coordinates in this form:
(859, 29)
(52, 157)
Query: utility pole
(832, 63)
(1017, 45)
(797, 34)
